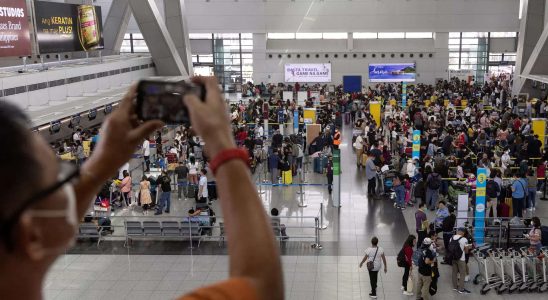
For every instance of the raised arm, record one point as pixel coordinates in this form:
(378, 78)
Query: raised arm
(254, 255)
(121, 133)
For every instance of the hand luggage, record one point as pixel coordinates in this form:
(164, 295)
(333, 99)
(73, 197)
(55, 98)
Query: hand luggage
(503, 210)
(212, 190)
(287, 177)
(191, 191)
(318, 165)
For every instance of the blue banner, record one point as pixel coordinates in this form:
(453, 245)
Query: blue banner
(295, 122)
(405, 72)
(479, 215)
(404, 95)
(416, 144)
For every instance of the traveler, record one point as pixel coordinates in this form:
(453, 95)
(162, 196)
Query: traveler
(279, 228)
(458, 247)
(426, 260)
(492, 191)
(358, 145)
(433, 184)
(146, 154)
(203, 196)
(373, 256)
(447, 228)
(404, 259)
(532, 182)
(399, 189)
(370, 174)
(535, 235)
(441, 214)
(337, 139)
(144, 194)
(165, 197)
(518, 195)
(329, 174)
(193, 167)
(182, 178)
(273, 162)
(125, 188)
(421, 224)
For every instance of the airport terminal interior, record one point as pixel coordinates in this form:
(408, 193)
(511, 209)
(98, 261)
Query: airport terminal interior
(397, 147)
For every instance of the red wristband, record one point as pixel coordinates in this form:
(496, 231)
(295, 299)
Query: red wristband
(228, 155)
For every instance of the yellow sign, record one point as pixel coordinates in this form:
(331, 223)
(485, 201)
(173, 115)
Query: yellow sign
(480, 192)
(375, 110)
(309, 115)
(481, 178)
(539, 128)
(416, 137)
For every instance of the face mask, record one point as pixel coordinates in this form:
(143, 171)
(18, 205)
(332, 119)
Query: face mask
(70, 214)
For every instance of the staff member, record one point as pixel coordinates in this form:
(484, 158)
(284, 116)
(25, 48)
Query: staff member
(337, 139)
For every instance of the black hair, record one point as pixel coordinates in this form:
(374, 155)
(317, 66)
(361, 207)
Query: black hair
(422, 204)
(17, 158)
(536, 222)
(204, 171)
(374, 241)
(409, 240)
(274, 212)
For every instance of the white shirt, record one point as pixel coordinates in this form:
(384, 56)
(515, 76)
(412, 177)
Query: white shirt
(203, 185)
(146, 148)
(370, 252)
(462, 242)
(193, 168)
(76, 137)
(259, 132)
(359, 143)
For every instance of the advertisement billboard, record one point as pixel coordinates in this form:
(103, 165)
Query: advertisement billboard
(392, 72)
(308, 73)
(64, 27)
(14, 28)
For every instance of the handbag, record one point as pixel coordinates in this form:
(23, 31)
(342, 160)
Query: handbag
(371, 264)
(410, 283)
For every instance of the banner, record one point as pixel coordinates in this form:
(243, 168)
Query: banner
(308, 73)
(64, 27)
(375, 111)
(405, 72)
(404, 95)
(14, 28)
(416, 144)
(479, 215)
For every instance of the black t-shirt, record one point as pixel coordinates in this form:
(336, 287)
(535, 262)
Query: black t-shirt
(165, 183)
(426, 269)
(182, 172)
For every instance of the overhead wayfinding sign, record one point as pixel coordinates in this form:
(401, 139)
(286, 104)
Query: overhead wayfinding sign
(14, 28)
(308, 73)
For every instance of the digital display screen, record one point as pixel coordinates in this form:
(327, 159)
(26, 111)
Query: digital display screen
(403, 72)
(64, 27)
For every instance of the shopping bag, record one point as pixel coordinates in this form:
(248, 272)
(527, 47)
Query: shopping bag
(410, 283)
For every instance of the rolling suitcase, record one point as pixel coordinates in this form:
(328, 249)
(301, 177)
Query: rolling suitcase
(191, 191)
(318, 168)
(287, 177)
(212, 190)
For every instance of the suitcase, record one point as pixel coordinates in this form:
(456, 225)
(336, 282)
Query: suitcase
(212, 190)
(319, 164)
(503, 210)
(287, 177)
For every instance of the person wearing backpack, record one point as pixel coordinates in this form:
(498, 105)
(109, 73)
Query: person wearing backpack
(433, 184)
(492, 191)
(447, 228)
(404, 260)
(425, 262)
(458, 247)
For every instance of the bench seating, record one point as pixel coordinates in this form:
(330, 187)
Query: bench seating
(91, 231)
(162, 229)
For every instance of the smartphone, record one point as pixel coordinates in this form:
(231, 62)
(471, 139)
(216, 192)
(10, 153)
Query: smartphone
(163, 100)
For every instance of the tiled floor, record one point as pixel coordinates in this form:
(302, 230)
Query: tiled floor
(149, 270)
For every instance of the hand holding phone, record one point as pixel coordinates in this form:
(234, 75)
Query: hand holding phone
(163, 100)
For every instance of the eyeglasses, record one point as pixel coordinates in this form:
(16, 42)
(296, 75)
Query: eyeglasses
(68, 172)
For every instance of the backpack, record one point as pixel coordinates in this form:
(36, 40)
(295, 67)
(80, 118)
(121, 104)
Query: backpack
(492, 188)
(454, 251)
(400, 259)
(418, 257)
(434, 183)
(544, 235)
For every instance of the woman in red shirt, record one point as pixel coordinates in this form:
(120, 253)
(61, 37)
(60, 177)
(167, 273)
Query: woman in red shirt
(408, 251)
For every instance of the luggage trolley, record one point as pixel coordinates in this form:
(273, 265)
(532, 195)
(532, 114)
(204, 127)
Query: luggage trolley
(480, 256)
(543, 284)
(493, 281)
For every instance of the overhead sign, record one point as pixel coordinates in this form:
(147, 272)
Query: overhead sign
(404, 95)
(64, 27)
(405, 72)
(308, 73)
(14, 28)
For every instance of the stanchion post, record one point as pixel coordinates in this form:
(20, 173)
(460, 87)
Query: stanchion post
(317, 244)
(261, 192)
(190, 233)
(301, 192)
(322, 226)
(544, 193)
